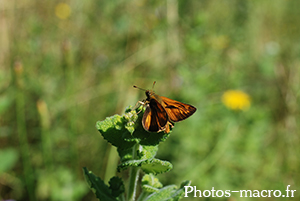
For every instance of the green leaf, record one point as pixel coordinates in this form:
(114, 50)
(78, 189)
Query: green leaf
(144, 157)
(116, 186)
(114, 131)
(144, 152)
(168, 193)
(149, 189)
(125, 154)
(147, 152)
(102, 191)
(150, 183)
(151, 180)
(154, 165)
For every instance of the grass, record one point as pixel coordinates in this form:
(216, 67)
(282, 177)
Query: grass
(82, 69)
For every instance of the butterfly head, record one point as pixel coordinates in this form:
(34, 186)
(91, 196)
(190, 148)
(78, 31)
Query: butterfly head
(149, 93)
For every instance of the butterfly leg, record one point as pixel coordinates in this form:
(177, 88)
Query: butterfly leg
(137, 105)
(166, 129)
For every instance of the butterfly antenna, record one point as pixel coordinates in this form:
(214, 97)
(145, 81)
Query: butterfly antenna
(153, 85)
(138, 88)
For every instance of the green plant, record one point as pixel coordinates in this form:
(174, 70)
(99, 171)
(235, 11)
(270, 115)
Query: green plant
(137, 149)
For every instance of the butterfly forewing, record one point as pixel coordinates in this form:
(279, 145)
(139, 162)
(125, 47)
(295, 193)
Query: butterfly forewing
(176, 110)
(155, 117)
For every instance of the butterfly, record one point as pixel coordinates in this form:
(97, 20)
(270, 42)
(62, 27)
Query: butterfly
(161, 112)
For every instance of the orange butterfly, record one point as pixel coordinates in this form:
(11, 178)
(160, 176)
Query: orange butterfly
(161, 112)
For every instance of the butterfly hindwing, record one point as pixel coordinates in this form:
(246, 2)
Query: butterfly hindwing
(155, 117)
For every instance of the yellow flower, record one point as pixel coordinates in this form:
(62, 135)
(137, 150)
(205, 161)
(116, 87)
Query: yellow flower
(62, 11)
(236, 100)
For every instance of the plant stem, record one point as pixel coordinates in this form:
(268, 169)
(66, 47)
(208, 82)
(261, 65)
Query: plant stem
(22, 133)
(45, 135)
(133, 177)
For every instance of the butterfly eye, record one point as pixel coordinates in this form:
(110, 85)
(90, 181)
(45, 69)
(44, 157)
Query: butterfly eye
(148, 94)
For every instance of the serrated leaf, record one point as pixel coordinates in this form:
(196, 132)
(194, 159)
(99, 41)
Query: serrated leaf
(168, 193)
(154, 166)
(129, 163)
(149, 189)
(114, 131)
(144, 152)
(147, 152)
(151, 180)
(144, 155)
(150, 183)
(102, 191)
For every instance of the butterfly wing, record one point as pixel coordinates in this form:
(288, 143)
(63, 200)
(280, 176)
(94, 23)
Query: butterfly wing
(155, 118)
(176, 110)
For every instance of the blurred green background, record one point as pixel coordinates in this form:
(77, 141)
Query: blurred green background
(66, 65)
